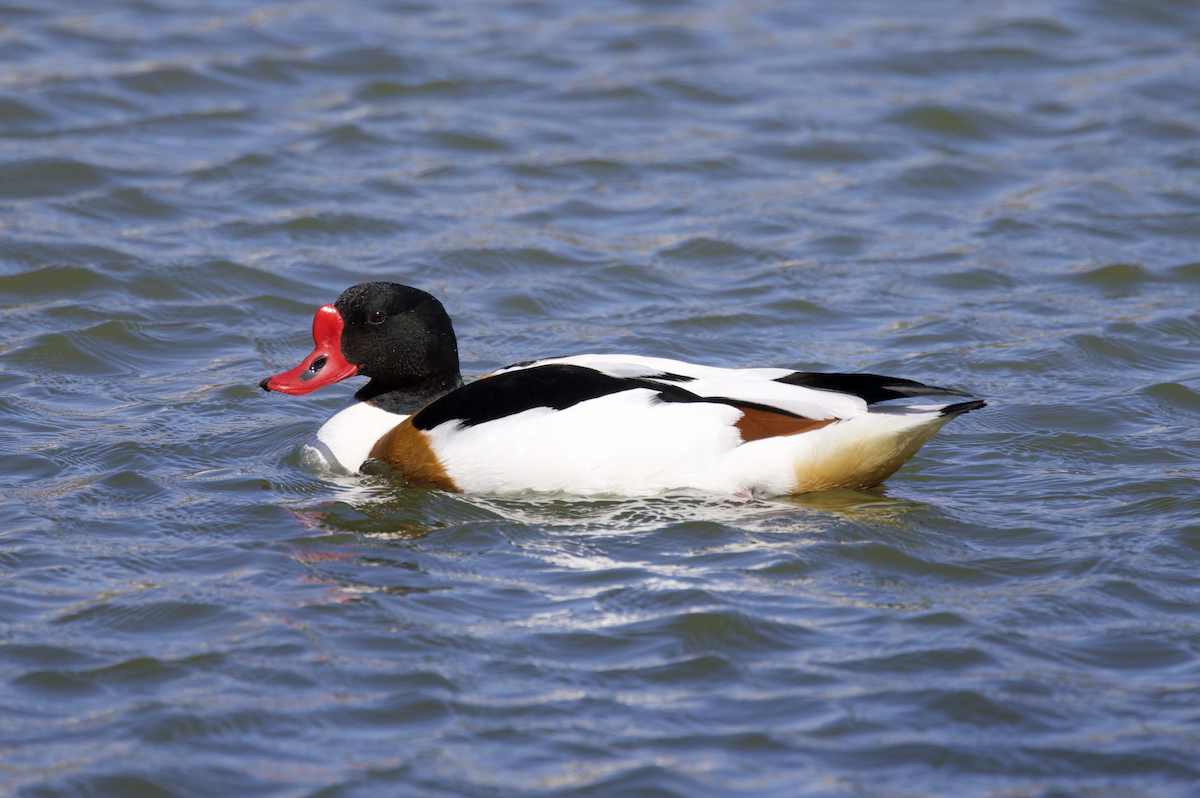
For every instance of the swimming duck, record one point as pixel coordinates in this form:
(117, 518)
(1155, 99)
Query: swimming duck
(594, 424)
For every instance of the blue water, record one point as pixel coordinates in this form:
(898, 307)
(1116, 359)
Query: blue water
(1002, 198)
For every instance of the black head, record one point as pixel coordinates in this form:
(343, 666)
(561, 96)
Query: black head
(399, 336)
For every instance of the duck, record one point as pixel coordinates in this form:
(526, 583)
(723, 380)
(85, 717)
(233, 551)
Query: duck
(595, 424)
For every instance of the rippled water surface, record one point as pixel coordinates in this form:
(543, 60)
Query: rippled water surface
(1001, 197)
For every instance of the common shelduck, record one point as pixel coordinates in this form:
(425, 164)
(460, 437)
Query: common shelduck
(594, 424)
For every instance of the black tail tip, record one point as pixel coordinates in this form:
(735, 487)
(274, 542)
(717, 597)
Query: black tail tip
(962, 407)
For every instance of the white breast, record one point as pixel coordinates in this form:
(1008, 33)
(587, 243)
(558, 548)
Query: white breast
(345, 441)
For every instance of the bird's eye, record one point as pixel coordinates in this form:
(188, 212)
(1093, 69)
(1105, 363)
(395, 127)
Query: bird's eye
(378, 317)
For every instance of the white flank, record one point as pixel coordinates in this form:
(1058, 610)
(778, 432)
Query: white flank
(627, 443)
(631, 444)
(345, 441)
